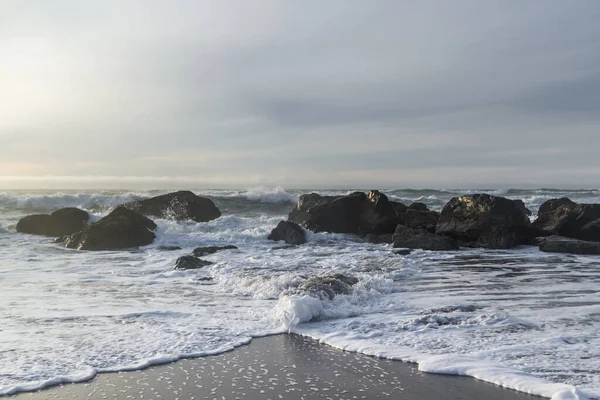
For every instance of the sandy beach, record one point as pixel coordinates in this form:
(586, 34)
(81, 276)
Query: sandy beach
(279, 367)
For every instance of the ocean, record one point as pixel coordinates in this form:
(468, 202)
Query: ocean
(519, 318)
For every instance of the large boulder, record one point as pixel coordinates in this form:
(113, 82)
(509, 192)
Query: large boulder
(357, 213)
(122, 228)
(60, 223)
(410, 238)
(564, 217)
(560, 244)
(289, 232)
(482, 220)
(179, 206)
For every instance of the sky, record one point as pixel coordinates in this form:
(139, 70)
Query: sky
(299, 94)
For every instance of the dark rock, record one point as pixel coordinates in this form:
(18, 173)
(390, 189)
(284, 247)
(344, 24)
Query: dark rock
(179, 206)
(60, 223)
(418, 207)
(403, 252)
(564, 217)
(205, 279)
(420, 219)
(328, 286)
(168, 248)
(378, 239)
(481, 220)
(399, 207)
(190, 262)
(204, 251)
(410, 238)
(122, 228)
(356, 213)
(559, 244)
(521, 205)
(290, 232)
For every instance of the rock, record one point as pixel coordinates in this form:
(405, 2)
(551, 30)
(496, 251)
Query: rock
(328, 286)
(560, 244)
(179, 206)
(122, 228)
(378, 239)
(168, 248)
(418, 206)
(481, 220)
(290, 232)
(60, 223)
(190, 262)
(521, 205)
(564, 217)
(417, 219)
(410, 238)
(403, 252)
(356, 213)
(204, 251)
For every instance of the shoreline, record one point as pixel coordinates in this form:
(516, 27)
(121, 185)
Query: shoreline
(286, 366)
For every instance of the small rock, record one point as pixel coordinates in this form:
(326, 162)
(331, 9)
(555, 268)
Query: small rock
(168, 248)
(559, 244)
(190, 262)
(290, 232)
(204, 251)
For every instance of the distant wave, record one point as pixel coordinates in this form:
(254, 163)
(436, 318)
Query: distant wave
(44, 202)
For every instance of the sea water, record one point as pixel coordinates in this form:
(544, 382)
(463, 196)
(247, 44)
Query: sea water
(518, 318)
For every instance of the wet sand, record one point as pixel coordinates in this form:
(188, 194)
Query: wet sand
(279, 367)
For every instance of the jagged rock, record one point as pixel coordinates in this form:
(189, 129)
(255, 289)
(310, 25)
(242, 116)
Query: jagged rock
(378, 239)
(560, 244)
(64, 221)
(356, 213)
(328, 286)
(204, 251)
(564, 217)
(179, 206)
(190, 262)
(410, 238)
(122, 228)
(418, 206)
(290, 232)
(481, 220)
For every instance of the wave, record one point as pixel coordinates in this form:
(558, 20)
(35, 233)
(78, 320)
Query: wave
(44, 202)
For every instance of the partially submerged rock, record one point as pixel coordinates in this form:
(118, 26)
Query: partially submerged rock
(122, 228)
(168, 248)
(179, 206)
(289, 232)
(409, 238)
(481, 220)
(328, 286)
(560, 244)
(64, 221)
(206, 250)
(378, 239)
(356, 213)
(190, 262)
(564, 217)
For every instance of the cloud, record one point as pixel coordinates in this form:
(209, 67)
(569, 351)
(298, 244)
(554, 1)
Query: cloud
(302, 93)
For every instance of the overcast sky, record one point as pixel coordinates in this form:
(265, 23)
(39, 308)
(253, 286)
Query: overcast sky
(299, 93)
